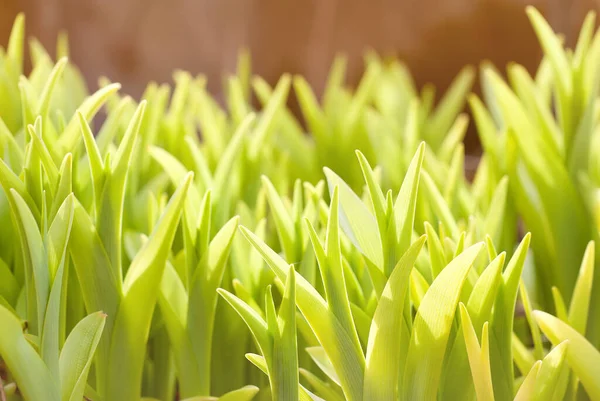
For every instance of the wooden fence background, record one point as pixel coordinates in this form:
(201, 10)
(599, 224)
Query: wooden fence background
(134, 41)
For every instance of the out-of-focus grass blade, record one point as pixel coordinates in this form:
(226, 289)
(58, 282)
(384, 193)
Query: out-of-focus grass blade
(14, 155)
(559, 305)
(260, 363)
(437, 258)
(453, 138)
(89, 108)
(176, 172)
(584, 40)
(522, 356)
(16, 42)
(265, 123)
(552, 48)
(47, 92)
(375, 193)
(438, 205)
(9, 286)
(581, 355)
(494, 220)
(550, 385)
(361, 97)
(335, 81)
(486, 129)
(245, 393)
(283, 222)
(580, 302)
(316, 119)
(449, 107)
(527, 388)
(223, 170)
(319, 357)
(541, 113)
(325, 390)
(236, 99)
(538, 347)
(255, 323)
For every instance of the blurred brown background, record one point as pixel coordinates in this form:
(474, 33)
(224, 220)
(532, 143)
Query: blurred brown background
(134, 41)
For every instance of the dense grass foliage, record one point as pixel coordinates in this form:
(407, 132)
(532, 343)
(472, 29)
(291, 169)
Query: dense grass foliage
(178, 248)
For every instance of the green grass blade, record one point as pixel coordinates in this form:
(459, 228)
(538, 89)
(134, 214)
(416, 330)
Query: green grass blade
(65, 184)
(548, 384)
(253, 320)
(140, 292)
(501, 325)
(580, 302)
(283, 222)
(538, 350)
(69, 138)
(245, 393)
(36, 262)
(522, 356)
(330, 265)
(16, 43)
(336, 341)
(285, 348)
(526, 391)
(581, 355)
(100, 288)
(56, 247)
(449, 107)
(319, 357)
(265, 123)
(203, 296)
(375, 193)
(33, 378)
(48, 91)
(406, 202)
(559, 305)
(552, 48)
(457, 382)
(384, 353)
(94, 156)
(479, 359)
(357, 222)
(76, 356)
(432, 327)
(439, 206)
(322, 388)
